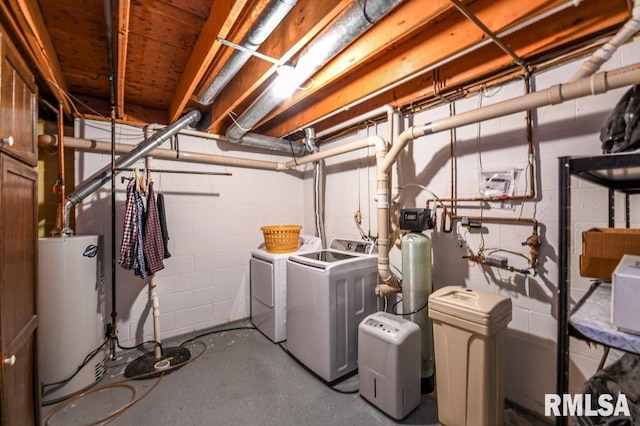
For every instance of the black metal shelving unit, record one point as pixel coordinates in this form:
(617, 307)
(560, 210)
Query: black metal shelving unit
(618, 173)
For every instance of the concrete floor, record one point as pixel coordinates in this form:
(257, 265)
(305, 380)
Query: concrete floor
(242, 378)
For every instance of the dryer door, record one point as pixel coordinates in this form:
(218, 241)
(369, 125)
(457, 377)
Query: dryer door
(262, 281)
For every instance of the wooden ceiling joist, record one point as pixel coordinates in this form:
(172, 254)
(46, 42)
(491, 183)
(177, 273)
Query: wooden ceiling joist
(219, 24)
(167, 53)
(31, 25)
(303, 23)
(124, 11)
(436, 44)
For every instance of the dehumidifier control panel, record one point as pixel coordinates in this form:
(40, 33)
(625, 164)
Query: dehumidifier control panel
(387, 326)
(379, 325)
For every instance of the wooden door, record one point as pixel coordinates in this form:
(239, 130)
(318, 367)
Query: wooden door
(19, 390)
(18, 107)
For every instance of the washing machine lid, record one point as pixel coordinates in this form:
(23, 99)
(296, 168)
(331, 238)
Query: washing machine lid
(327, 256)
(340, 251)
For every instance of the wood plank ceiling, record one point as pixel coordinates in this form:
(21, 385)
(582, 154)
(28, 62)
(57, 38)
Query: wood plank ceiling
(165, 54)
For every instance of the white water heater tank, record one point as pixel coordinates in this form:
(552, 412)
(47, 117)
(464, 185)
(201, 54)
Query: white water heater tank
(71, 312)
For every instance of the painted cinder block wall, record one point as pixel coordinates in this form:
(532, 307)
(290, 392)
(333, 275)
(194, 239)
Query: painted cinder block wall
(568, 129)
(213, 222)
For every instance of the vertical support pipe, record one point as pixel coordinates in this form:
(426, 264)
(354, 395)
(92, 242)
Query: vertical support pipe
(612, 208)
(153, 287)
(627, 211)
(564, 257)
(114, 310)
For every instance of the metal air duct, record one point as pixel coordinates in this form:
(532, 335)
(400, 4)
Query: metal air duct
(270, 18)
(101, 177)
(352, 23)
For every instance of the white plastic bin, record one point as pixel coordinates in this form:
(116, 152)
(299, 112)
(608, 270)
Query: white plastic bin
(470, 336)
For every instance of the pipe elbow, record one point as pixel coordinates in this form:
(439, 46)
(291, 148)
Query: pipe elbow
(378, 142)
(384, 290)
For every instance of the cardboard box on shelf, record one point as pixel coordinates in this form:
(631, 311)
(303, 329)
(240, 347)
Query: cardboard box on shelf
(602, 249)
(625, 295)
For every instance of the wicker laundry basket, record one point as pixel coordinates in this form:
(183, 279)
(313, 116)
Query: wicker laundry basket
(281, 238)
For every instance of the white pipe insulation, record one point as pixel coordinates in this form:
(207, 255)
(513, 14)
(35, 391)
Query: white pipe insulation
(604, 53)
(50, 141)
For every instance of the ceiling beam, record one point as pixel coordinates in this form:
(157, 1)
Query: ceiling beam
(124, 8)
(219, 24)
(299, 27)
(405, 23)
(437, 43)
(30, 26)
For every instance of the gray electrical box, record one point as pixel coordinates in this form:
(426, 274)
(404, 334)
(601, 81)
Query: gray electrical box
(389, 363)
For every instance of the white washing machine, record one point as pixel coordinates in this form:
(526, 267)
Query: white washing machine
(329, 292)
(269, 288)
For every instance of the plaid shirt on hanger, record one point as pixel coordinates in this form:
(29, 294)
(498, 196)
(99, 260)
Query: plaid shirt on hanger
(153, 243)
(129, 229)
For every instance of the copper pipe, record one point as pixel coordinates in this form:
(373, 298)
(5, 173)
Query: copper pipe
(530, 154)
(529, 122)
(61, 230)
(534, 222)
(454, 159)
(61, 174)
(533, 241)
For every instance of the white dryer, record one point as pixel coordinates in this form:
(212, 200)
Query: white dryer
(329, 293)
(269, 288)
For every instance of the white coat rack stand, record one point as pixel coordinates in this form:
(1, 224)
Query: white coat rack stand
(162, 360)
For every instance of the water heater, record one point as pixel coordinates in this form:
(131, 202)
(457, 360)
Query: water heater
(71, 312)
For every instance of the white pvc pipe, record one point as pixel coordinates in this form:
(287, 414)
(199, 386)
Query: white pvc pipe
(160, 153)
(604, 53)
(48, 141)
(153, 294)
(596, 84)
(353, 146)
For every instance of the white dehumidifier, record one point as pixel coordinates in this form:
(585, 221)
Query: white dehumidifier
(389, 363)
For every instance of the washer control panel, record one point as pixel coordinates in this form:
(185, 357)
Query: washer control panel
(354, 246)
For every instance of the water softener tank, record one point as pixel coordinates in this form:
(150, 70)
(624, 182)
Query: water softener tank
(417, 286)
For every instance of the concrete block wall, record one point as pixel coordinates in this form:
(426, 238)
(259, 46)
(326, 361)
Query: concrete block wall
(213, 222)
(568, 129)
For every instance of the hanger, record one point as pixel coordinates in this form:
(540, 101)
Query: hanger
(141, 186)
